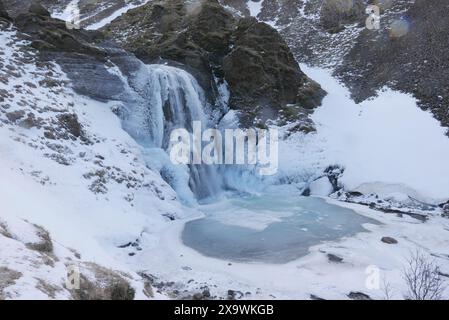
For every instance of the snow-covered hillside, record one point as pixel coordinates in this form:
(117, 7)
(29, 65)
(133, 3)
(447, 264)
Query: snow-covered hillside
(67, 166)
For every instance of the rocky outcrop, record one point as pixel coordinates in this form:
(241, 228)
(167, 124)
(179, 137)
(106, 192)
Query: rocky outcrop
(202, 37)
(335, 14)
(409, 54)
(82, 54)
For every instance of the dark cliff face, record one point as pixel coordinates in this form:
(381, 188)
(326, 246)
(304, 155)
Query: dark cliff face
(3, 13)
(410, 54)
(212, 44)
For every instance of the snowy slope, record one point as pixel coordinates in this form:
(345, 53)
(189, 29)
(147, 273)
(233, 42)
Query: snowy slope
(68, 166)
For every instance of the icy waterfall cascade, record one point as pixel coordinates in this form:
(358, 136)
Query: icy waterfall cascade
(172, 98)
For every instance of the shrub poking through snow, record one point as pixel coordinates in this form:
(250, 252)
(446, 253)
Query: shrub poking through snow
(8, 277)
(423, 278)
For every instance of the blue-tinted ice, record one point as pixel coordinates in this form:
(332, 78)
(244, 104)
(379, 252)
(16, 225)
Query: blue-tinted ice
(269, 228)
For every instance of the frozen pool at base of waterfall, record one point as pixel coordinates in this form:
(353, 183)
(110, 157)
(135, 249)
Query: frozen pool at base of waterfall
(269, 228)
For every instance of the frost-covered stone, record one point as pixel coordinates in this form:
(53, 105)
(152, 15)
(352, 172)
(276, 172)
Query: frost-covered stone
(321, 187)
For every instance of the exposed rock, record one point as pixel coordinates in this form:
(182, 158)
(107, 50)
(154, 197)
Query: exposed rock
(45, 245)
(197, 296)
(239, 5)
(69, 121)
(354, 194)
(358, 296)
(106, 285)
(263, 76)
(321, 187)
(314, 297)
(38, 9)
(234, 295)
(389, 240)
(3, 13)
(337, 13)
(8, 278)
(334, 258)
(48, 34)
(445, 209)
(408, 54)
(206, 293)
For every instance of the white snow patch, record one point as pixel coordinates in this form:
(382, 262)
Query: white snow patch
(255, 7)
(384, 141)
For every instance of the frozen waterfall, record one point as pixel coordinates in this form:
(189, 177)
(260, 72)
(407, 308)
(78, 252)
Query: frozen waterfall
(169, 98)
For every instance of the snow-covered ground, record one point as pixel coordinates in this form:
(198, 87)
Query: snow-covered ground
(94, 194)
(91, 192)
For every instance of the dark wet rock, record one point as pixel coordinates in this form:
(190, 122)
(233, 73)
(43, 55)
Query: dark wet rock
(83, 55)
(51, 35)
(264, 79)
(103, 284)
(314, 297)
(3, 13)
(334, 258)
(239, 5)
(418, 216)
(358, 296)
(389, 240)
(234, 295)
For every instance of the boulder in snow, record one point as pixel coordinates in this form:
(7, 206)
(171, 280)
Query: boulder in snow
(321, 187)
